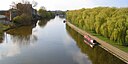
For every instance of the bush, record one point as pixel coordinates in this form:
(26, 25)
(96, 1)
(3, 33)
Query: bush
(23, 19)
(46, 14)
(17, 19)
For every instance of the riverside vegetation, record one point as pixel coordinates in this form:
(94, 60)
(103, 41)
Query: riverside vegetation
(23, 14)
(45, 14)
(109, 23)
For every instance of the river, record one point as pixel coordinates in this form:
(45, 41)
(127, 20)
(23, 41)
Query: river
(50, 42)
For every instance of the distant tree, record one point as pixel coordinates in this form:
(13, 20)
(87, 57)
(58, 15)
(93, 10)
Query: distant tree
(45, 14)
(42, 12)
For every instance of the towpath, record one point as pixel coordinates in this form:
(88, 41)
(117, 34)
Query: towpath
(113, 50)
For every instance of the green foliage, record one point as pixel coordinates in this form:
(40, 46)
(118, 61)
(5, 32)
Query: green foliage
(45, 14)
(3, 27)
(42, 13)
(17, 19)
(23, 19)
(111, 23)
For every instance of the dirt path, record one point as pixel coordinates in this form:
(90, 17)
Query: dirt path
(113, 50)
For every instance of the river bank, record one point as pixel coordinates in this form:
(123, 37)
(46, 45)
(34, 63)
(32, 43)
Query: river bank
(7, 25)
(113, 50)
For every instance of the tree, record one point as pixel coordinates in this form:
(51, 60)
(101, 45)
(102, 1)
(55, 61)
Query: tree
(45, 14)
(111, 23)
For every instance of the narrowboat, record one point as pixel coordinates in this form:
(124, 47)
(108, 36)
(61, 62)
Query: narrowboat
(89, 41)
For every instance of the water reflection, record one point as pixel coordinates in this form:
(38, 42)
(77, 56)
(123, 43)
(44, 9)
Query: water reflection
(8, 50)
(97, 54)
(62, 16)
(43, 22)
(49, 45)
(16, 38)
(1, 37)
(22, 35)
(13, 40)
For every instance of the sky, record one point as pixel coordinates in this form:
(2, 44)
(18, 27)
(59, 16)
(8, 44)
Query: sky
(69, 4)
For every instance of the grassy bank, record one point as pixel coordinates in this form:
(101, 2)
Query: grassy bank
(103, 44)
(3, 27)
(108, 24)
(115, 44)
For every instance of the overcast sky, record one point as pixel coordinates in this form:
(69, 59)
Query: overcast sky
(69, 4)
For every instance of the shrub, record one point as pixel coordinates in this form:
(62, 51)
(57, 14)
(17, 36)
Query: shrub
(23, 19)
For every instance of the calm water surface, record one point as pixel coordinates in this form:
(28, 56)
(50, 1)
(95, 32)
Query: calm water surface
(50, 42)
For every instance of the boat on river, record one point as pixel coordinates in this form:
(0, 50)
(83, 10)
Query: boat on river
(64, 21)
(89, 41)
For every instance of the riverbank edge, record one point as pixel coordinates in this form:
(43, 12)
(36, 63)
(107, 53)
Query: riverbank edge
(113, 50)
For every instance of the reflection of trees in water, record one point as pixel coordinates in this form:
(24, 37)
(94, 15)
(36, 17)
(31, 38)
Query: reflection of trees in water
(24, 40)
(97, 55)
(18, 37)
(62, 16)
(1, 37)
(22, 35)
(43, 23)
(23, 31)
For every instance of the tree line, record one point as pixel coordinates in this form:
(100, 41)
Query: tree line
(111, 23)
(45, 14)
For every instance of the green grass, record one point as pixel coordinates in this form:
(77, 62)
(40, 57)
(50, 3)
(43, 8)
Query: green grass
(3, 27)
(115, 44)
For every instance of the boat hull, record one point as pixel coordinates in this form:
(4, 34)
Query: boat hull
(88, 40)
(91, 45)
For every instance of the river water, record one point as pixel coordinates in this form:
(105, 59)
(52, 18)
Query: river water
(50, 42)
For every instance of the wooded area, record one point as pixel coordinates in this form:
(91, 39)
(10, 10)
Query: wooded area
(111, 23)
